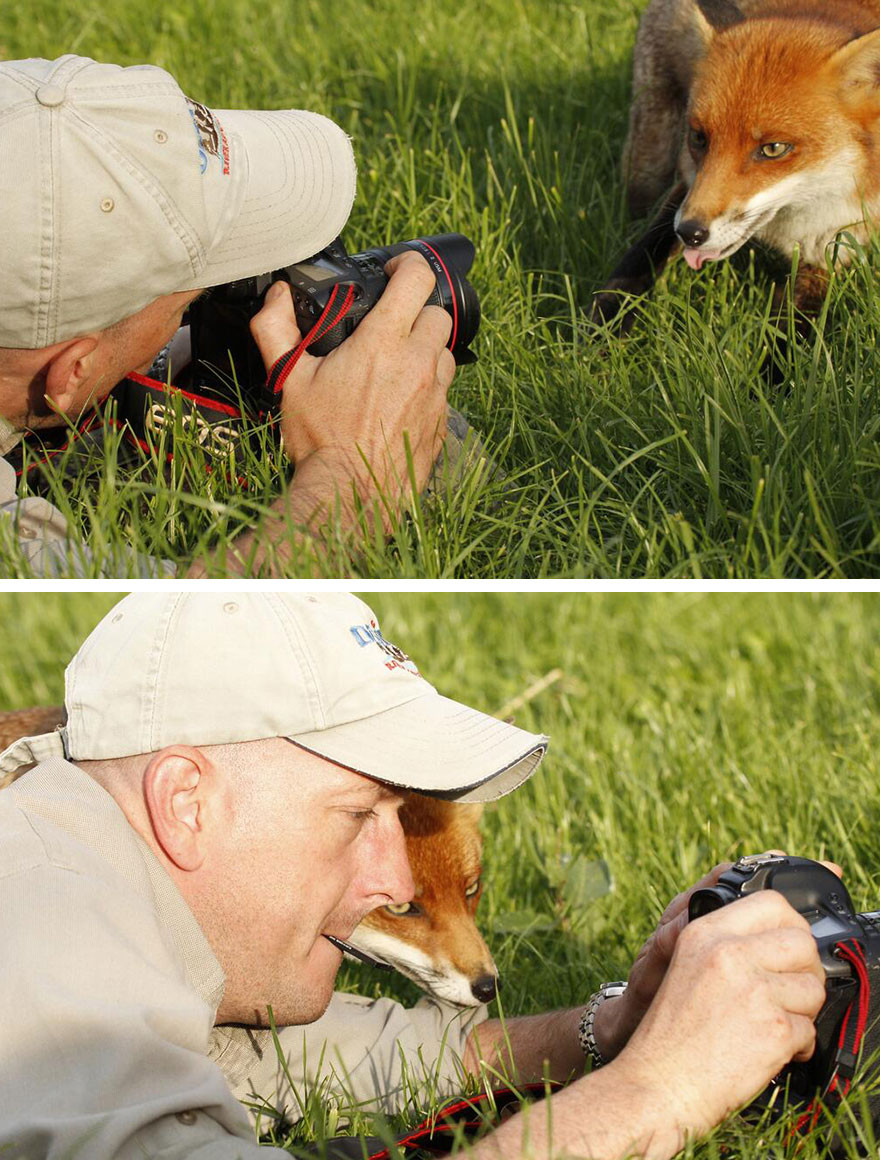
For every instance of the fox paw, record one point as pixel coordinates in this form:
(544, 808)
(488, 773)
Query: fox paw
(613, 306)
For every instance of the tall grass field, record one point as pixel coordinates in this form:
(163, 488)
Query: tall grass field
(665, 454)
(685, 730)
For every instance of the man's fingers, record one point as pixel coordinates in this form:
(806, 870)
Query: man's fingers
(791, 950)
(445, 369)
(409, 287)
(275, 329)
(754, 913)
(804, 1035)
(433, 325)
(680, 902)
(801, 993)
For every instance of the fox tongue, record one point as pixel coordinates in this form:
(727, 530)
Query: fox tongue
(695, 258)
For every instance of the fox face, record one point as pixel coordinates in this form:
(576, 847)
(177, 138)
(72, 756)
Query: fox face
(434, 939)
(779, 135)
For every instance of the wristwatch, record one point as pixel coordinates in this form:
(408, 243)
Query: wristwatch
(586, 1038)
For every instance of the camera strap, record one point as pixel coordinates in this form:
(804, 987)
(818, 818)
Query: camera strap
(441, 1132)
(143, 409)
(849, 1039)
(336, 309)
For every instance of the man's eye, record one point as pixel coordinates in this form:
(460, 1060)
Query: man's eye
(773, 150)
(403, 909)
(363, 815)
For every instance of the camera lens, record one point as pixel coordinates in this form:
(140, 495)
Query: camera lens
(450, 257)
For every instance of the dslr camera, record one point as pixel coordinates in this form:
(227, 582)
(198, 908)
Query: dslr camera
(849, 949)
(333, 291)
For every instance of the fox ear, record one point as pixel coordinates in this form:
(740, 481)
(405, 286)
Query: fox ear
(858, 62)
(720, 14)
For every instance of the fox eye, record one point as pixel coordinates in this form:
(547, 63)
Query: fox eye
(403, 909)
(474, 888)
(697, 139)
(773, 150)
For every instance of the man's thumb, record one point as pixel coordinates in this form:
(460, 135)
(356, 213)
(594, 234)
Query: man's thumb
(274, 328)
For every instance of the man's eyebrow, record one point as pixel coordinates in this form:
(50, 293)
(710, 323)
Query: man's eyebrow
(390, 791)
(376, 791)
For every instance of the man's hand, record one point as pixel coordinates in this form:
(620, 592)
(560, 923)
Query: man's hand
(737, 1004)
(344, 417)
(617, 1019)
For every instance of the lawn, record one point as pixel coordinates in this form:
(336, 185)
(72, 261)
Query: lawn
(667, 454)
(685, 730)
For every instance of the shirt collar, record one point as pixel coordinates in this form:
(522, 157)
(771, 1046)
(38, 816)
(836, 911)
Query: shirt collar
(9, 436)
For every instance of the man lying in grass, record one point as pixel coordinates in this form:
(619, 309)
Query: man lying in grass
(123, 199)
(181, 863)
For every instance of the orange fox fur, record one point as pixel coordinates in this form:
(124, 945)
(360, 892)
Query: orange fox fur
(767, 113)
(435, 942)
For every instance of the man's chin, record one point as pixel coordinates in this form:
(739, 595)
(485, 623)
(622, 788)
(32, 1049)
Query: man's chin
(307, 1009)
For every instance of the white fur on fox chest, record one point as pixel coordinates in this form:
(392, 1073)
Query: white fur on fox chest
(810, 208)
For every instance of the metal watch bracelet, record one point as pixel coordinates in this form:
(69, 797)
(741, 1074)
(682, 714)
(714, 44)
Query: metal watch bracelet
(586, 1037)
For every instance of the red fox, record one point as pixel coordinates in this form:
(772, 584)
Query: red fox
(767, 115)
(434, 939)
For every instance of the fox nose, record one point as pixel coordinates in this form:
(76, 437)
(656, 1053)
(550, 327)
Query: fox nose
(484, 988)
(692, 232)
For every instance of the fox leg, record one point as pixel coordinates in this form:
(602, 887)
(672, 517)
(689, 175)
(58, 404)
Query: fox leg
(809, 290)
(639, 267)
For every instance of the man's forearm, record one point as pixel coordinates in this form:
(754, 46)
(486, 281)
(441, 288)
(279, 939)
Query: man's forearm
(534, 1047)
(528, 1049)
(604, 1116)
(308, 526)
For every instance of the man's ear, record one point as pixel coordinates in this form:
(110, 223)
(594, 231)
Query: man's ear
(857, 64)
(182, 792)
(67, 371)
(718, 15)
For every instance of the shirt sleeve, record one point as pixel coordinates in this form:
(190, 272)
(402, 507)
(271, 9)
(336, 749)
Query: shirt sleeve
(103, 1054)
(373, 1053)
(39, 535)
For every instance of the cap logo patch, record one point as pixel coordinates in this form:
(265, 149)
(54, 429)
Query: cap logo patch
(210, 134)
(366, 634)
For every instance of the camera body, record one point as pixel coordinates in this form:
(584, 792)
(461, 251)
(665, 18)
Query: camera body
(820, 896)
(224, 352)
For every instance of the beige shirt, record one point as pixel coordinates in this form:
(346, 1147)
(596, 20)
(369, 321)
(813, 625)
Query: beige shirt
(108, 1047)
(41, 538)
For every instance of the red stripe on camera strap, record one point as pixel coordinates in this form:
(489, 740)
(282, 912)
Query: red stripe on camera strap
(849, 1040)
(331, 316)
(439, 1133)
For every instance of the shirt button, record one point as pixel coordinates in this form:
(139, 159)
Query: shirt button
(50, 95)
(187, 1118)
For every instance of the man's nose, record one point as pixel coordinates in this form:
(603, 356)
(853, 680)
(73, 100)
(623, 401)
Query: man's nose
(390, 875)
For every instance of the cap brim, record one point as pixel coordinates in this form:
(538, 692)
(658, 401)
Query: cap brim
(300, 186)
(433, 745)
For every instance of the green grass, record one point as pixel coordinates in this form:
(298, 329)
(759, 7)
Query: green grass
(663, 455)
(685, 730)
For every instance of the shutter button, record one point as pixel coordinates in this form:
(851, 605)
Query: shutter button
(50, 95)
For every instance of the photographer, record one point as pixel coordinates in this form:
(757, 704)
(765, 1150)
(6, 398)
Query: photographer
(190, 850)
(123, 199)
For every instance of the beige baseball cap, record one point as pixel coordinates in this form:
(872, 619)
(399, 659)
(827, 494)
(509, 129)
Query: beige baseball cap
(117, 189)
(201, 668)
